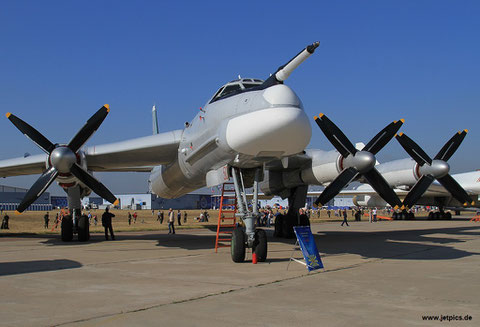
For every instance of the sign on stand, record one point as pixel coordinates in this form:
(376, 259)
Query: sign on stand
(309, 249)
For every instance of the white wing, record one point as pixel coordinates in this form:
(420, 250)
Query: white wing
(140, 154)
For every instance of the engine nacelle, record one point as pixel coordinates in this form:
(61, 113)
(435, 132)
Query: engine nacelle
(170, 182)
(368, 201)
(400, 172)
(326, 165)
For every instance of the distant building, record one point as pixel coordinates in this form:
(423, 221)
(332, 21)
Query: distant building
(10, 198)
(147, 201)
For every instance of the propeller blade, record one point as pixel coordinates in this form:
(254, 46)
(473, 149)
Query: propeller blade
(380, 185)
(417, 190)
(335, 136)
(89, 128)
(90, 181)
(456, 190)
(383, 137)
(345, 177)
(41, 141)
(451, 146)
(42, 183)
(413, 149)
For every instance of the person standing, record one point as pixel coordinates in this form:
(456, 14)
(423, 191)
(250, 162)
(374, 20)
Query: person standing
(161, 217)
(171, 221)
(129, 218)
(46, 219)
(179, 217)
(184, 217)
(345, 217)
(135, 217)
(5, 221)
(107, 223)
(374, 214)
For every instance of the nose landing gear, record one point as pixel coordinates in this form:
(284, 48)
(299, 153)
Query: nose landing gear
(248, 236)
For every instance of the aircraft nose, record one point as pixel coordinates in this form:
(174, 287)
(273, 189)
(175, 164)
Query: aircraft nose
(272, 132)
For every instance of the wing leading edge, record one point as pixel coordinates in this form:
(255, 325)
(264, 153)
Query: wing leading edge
(139, 154)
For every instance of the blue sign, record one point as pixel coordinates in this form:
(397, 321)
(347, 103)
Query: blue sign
(309, 248)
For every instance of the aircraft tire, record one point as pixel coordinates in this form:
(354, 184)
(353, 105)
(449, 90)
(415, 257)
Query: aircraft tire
(436, 215)
(238, 245)
(83, 229)
(304, 221)
(261, 247)
(448, 215)
(67, 228)
(278, 226)
(287, 227)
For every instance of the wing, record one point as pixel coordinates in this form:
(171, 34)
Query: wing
(23, 166)
(140, 154)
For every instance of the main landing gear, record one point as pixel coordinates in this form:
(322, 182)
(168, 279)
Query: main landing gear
(75, 223)
(247, 236)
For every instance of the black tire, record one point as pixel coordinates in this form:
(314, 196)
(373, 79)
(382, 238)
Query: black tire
(448, 215)
(436, 215)
(395, 216)
(238, 245)
(83, 229)
(430, 215)
(278, 232)
(67, 228)
(261, 247)
(411, 216)
(287, 227)
(304, 221)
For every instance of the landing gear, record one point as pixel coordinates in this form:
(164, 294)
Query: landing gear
(284, 223)
(248, 237)
(260, 245)
(67, 228)
(83, 229)
(403, 215)
(76, 222)
(284, 226)
(238, 245)
(440, 215)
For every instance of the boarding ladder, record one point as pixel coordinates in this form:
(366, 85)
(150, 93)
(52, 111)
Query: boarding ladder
(226, 216)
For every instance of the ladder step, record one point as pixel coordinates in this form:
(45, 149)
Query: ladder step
(225, 232)
(228, 226)
(224, 239)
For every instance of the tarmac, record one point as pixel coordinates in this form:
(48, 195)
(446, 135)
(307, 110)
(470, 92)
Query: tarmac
(391, 273)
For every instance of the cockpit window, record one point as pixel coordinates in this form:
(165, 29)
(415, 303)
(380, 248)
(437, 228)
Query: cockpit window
(249, 85)
(230, 88)
(235, 87)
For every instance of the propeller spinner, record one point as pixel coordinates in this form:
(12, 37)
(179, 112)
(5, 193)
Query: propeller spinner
(437, 168)
(63, 158)
(358, 162)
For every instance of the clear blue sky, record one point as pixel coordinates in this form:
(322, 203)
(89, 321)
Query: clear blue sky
(378, 61)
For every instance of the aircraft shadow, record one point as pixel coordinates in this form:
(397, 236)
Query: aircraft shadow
(398, 244)
(27, 267)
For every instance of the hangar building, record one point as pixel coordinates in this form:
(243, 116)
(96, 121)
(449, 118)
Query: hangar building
(10, 198)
